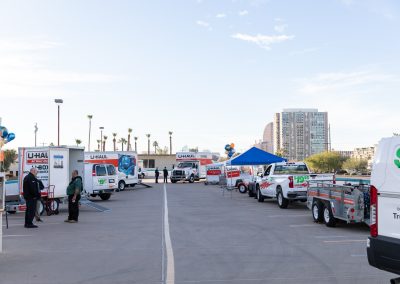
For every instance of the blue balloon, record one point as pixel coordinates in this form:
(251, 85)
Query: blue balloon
(227, 147)
(10, 137)
(4, 132)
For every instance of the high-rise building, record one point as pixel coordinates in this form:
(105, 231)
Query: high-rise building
(301, 132)
(277, 132)
(268, 137)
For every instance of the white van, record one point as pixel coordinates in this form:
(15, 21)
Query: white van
(384, 243)
(100, 180)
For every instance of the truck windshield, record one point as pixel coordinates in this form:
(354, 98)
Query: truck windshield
(185, 165)
(291, 169)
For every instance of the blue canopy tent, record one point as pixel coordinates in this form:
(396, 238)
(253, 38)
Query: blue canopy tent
(254, 157)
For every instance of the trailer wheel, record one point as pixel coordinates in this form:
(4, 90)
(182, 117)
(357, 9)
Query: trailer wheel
(191, 179)
(255, 193)
(41, 208)
(329, 219)
(317, 210)
(121, 185)
(282, 201)
(242, 188)
(260, 197)
(105, 196)
(251, 190)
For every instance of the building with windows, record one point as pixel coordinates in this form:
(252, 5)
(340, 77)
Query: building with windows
(301, 133)
(344, 154)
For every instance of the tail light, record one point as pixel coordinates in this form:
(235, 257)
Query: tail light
(94, 171)
(374, 212)
(291, 183)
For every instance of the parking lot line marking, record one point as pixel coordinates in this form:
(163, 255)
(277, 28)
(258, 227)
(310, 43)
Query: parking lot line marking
(344, 241)
(329, 237)
(302, 225)
(17, 236)
(358, 255)
(170, 277)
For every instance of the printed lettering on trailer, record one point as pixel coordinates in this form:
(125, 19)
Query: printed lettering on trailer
(37, 157)
(186, 156)
(97, 156)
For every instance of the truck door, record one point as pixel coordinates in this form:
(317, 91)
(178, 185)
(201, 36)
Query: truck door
(100, 179)
(267, 185)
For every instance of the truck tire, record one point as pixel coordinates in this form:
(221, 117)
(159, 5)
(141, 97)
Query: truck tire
(317, 210)
(173, 180)
(256, 190)
(282, 201)
(191, 179)
(242, 188)
(250, 190)
(260, 197)
(329, 219)
(105, 196)
(121, 185)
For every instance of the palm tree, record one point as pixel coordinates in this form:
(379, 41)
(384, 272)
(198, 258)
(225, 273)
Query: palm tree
(129, 139)
(98, 145)
(155, 145)
(148, 144)
(90, 128)
(136, 138)
(78, 142)
(123, 142)
(115, 141)
(104, 142)
(170, 142)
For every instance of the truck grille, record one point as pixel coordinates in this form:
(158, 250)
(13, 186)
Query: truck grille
(179, 173)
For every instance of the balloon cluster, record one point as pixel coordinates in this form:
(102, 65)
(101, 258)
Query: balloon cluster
(230, 150)
(5, 136)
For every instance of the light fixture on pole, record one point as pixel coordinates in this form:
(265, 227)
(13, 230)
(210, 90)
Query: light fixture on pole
(58, 102)
(101, 137)
(36, 130)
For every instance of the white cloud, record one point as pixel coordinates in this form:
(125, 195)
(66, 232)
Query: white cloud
(263, 41)
(221, 15)
(280, 28)
(203, 24)
(243, 13)
(344, 81)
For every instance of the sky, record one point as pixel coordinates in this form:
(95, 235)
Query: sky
(211, 71)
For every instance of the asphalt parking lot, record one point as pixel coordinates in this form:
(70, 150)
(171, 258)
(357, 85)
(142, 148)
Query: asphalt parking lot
(215, 239)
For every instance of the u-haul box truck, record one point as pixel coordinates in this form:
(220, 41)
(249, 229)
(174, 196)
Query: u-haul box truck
(54, 166)
(125, 163)
(191, 166)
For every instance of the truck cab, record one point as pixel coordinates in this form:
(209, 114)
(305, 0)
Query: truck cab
(383, 247)
(186, 171)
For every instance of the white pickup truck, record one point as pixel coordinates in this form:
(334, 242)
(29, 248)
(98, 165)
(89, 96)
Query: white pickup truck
(384, 243)
(287, 182)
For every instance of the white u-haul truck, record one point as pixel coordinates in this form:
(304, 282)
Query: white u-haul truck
(125, 163)
(383, 247)
(191, 166)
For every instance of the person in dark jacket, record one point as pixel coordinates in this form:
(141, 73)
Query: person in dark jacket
(74, 195)
(30, 191)
(157, 173)
(165, 174)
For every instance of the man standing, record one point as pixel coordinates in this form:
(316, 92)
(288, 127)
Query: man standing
(165, 173)
(74, 195)
(157, 173)
(30, 190)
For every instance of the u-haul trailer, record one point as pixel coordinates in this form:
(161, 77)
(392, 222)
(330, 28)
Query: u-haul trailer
(125, 163)
(54, 166)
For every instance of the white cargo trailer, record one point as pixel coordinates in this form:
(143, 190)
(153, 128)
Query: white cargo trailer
(54, 165)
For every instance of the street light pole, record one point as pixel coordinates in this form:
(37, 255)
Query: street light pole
(170, 142)
(36, 130)
(90, 129)
(58, 102)
(101, 138)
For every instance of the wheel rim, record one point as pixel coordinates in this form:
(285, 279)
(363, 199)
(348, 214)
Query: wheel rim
(241, 188)
(53, 205)
(280, 198)
(315, 212)
(327, 217)
(121, 186)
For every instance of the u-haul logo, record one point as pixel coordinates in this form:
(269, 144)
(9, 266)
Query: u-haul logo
(185, 156)
(98, 157)
(37, 158)
(397, 161)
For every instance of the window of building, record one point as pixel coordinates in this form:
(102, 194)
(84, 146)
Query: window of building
(149, 163)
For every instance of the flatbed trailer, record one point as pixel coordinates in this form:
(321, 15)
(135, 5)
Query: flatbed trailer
(330, 202)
